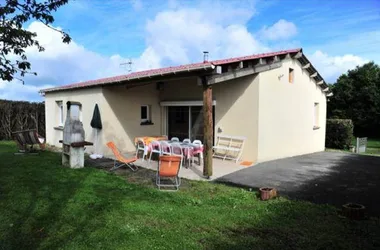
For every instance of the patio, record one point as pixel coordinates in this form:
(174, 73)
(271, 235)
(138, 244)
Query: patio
(195, 171)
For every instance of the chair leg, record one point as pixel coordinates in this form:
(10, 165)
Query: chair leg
(132, 167)
(150, 156)
(158, 181)
(176, 182)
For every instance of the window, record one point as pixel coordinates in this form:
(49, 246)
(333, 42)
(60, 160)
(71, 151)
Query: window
(60, 113)
(316, 115)
(145, 113)
(291, 75)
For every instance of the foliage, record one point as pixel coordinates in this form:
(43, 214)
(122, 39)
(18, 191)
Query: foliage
(15, 39)
(16, 115)
(46, 206)
(357, 97)
(339, 133)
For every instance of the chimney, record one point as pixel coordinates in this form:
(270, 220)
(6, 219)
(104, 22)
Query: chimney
(205, 56)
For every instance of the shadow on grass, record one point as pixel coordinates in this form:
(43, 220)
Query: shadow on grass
(306, 226)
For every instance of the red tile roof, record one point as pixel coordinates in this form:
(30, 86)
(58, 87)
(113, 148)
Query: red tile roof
(164, 71)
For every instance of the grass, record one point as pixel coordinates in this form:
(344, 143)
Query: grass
(46, 206)
(373, 146)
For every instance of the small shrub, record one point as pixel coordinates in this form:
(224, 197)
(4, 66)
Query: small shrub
(339, 133)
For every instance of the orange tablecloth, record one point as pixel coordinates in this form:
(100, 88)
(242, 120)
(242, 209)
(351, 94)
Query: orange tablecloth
(148, 139)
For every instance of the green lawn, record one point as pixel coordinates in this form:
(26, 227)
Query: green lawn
(373, 146)
(45, 206)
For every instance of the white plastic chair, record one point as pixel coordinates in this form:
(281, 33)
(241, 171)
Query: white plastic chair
(175, 139)
(198, 142)
(141, 147)
(165, 148)
(177, 150)
(186, 140)
(156, 149)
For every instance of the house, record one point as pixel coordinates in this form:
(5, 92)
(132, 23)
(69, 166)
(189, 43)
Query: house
(276, 100)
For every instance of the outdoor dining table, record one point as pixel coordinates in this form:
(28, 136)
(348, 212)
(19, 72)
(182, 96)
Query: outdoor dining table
(148, 139)
(188, 149)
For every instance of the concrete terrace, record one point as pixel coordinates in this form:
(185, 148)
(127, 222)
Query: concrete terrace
(194, 172)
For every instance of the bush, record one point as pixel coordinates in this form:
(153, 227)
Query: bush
(339, 133)
(20, 115)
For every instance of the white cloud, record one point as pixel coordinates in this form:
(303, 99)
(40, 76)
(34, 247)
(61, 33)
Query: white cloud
(175, 36)
(281, 30)
(180, 36)
(17, 91)
(331, 67)
(66, 63)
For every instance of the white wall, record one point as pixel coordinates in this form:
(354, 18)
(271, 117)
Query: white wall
(120, 113)
(236, 110)
(87, 97)
(286, 113)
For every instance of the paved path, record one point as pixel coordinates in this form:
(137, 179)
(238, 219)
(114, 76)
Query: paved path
(326, 177)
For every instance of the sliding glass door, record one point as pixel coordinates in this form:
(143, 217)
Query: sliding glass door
(186, 122)
(178, 122)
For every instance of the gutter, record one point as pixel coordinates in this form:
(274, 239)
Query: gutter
(137, 77)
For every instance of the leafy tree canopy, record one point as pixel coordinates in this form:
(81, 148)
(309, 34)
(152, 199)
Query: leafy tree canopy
(357, 97)
(14, 39)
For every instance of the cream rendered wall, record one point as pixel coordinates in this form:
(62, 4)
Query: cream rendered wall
(286, 113)
(121, 114)
(236, 110)
(87, 97)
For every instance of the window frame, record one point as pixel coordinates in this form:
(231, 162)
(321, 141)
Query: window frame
(61, 117)
(291, 75)
(148, 118)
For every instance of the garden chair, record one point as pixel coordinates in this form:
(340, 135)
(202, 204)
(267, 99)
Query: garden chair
(168, 167)
(165, 148)
(120, 159)
(177, 150)
(141, 147)
(155, 149)
(175, 139)
(29, 138)
(187, 140)
(198, 153)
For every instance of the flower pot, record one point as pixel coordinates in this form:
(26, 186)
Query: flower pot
(267, 193)
(353, 211)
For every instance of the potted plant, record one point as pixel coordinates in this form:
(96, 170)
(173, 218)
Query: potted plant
(267, 193)
(353, 211)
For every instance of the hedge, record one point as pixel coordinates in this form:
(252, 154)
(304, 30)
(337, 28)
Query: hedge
(19, 115)
(339, 133)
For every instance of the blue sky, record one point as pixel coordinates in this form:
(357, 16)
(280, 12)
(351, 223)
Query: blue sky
(335, 35)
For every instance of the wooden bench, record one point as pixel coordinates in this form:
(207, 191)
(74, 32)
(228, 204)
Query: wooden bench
(27, 138)
(229, 147)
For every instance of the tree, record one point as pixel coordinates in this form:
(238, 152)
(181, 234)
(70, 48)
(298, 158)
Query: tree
(357, 97)
(14, 39)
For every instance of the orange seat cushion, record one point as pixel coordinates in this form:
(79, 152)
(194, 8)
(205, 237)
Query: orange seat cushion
(169, 166)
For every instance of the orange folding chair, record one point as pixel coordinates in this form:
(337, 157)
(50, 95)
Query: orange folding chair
(168, 167)
(120, 159)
